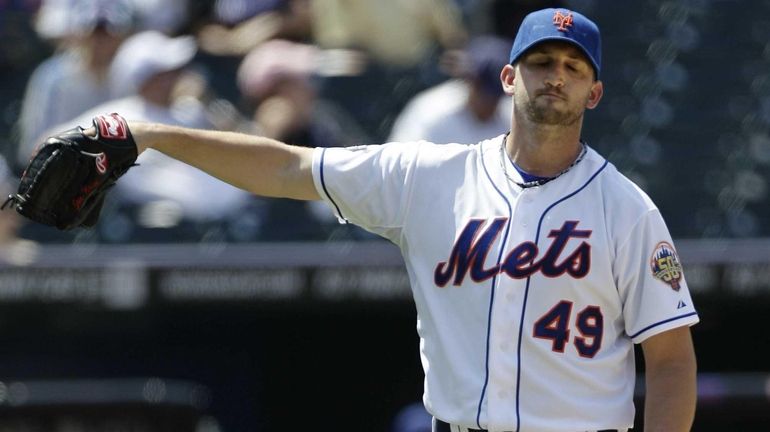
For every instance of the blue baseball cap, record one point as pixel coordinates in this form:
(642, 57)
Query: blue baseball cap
(561, 25)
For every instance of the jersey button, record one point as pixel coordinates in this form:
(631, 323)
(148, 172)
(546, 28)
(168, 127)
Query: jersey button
(510, 297)
(502, 394)
(504, 347)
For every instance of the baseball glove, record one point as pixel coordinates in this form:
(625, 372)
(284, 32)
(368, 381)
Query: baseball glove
(67, 180)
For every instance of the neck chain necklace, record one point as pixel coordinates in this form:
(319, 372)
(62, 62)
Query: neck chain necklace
(538, 182)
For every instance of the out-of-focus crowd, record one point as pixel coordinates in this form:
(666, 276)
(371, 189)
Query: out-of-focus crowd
(307, 72)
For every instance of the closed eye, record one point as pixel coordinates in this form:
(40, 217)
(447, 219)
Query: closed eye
(539, 61)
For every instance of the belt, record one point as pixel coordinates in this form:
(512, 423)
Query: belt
(442, 426)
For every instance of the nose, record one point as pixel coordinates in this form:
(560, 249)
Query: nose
(553, 80)
(555, 76)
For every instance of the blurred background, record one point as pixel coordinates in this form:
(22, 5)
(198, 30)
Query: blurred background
(194, 306)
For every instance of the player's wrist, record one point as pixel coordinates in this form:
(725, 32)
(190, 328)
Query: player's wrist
(144, 133)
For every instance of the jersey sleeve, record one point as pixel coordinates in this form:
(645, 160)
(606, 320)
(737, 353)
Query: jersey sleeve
(651, 280)
(368, 185)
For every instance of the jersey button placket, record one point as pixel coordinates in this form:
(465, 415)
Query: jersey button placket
(506, 314)
(524, 209)
(503, 361)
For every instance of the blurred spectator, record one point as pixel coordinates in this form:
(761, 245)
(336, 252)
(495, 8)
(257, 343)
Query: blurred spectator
(75, 79)
(231, 12)
(61, 21)
(166, 192)
(165, 16)
(57, 20)
(503, 17)
(402, 40)
(277, 77)
(241, 25)
(398, 33)
(465, 110)
(54, 19)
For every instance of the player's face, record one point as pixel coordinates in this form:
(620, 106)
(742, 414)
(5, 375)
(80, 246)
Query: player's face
(554, 84)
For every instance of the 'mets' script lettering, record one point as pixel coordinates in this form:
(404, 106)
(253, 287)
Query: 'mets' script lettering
(473, 245)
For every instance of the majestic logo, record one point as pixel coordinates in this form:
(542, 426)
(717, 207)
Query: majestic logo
(102, 163)
(665, 265)
(112, 126)
(562, 21)
(472, 247)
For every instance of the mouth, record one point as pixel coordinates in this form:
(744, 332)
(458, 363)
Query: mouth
(552, 95)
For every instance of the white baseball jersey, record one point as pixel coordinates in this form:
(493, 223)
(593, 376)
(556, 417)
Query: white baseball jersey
(529, 300)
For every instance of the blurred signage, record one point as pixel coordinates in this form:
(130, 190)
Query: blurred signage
(132, 276)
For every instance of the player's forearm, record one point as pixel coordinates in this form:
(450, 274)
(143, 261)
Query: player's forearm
(670, 397)
(259, 165)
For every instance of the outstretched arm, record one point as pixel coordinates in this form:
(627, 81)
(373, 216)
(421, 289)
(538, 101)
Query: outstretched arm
(259, 165)
(670, 369)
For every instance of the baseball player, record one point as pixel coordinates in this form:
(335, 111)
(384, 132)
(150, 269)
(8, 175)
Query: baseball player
(535, 265)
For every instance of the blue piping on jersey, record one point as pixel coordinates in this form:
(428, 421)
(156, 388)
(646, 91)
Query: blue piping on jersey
(526, 288)
(661, 323)
(492, 291)
(323, 185)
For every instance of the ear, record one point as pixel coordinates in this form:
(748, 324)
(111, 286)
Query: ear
(508, 79)
(597, 90)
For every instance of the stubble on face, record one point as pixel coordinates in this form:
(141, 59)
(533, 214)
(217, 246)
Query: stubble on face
(543, 111)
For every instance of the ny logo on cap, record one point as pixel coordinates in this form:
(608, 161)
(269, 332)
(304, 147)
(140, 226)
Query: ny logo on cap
(562, 21)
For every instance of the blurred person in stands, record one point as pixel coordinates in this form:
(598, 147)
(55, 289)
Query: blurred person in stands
(401, 33)
(278, 79)
(465, 109)
(166, 16)
(149, 67)
(238, 26)
(401, 41)
(87, 34)
(501, 17)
